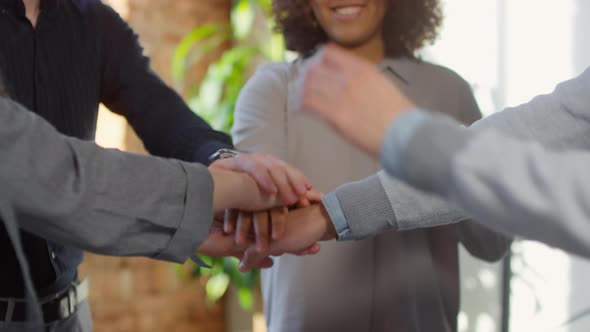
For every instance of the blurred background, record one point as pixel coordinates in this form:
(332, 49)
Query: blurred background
(509, 50)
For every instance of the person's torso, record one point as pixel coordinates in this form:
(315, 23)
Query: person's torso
(394, 281)
(53, 70)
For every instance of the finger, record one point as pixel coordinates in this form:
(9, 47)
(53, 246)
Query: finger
(261, 230)
(314, 196)
(312, 250)
(281, 180)
(265, 263)
(263, 178)
(251, 259)
(303, 203)
(298, 180)
(278, 219)
(229, 221)
(250, 165)
(243, 227)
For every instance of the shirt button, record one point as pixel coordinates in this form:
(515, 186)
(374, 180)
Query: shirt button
(52, 255)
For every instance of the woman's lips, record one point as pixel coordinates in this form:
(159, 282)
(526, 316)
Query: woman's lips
(347, 13)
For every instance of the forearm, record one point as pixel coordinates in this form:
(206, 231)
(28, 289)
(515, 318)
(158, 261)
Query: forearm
(101, 200)
(239, 191)
(559, 120)
(530, 191)
(380, 203)
(162, 120)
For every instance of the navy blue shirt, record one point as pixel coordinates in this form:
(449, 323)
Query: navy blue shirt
(80, 54)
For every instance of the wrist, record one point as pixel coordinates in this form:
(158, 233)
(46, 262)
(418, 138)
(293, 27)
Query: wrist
(225, 195)
(330, 230)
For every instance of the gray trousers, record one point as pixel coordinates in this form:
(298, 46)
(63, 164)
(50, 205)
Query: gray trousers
(81, 321)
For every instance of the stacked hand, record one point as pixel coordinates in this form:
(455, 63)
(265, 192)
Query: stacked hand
(268, 209)
(277, 231)
(360, 110)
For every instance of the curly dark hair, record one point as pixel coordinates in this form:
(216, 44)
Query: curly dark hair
(408, 25)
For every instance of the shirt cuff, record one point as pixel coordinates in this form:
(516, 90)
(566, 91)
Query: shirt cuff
(337, 217)
(193, 229)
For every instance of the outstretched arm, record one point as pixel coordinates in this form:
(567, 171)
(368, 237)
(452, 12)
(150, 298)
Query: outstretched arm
(508, 184)
(107, 201)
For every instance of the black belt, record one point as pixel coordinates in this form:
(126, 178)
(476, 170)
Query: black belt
(54, 308)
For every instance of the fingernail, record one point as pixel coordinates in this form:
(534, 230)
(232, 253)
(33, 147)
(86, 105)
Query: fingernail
(242, 267)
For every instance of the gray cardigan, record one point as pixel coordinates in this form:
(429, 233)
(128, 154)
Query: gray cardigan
(395, 281)
(539, 188)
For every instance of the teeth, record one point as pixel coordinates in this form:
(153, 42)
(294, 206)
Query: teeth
(348, 10)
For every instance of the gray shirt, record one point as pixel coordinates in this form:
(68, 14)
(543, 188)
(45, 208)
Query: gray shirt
(399, 281)
(105, 201)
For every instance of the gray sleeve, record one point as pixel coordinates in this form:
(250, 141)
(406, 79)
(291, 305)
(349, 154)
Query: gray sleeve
(479, 241)
(559, 120)
(381, 202)
(566, 119)
(259, 119)
(511, 185)
(100, 200)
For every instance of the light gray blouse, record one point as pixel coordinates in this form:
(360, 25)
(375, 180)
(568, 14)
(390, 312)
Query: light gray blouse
(397, 281)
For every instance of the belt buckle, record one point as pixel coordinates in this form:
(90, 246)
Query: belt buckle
(73, 298)
(67, 305)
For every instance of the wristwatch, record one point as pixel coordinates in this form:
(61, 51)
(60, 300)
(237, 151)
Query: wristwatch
(223, 154)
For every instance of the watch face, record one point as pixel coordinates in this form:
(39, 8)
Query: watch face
(224, 154)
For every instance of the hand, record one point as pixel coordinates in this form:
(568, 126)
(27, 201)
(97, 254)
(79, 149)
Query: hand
(274, 176)
(304, 228)
(218, 244)
(261, 222)
(353, 97)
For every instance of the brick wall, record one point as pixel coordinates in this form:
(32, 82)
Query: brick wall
(138, 294)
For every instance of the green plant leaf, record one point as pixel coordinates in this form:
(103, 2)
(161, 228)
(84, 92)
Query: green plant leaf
(215, 99)
(217, 286)
(242, 19)
(246, 298)
(186, 44)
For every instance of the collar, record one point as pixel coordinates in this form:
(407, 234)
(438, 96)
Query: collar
(394, 68)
